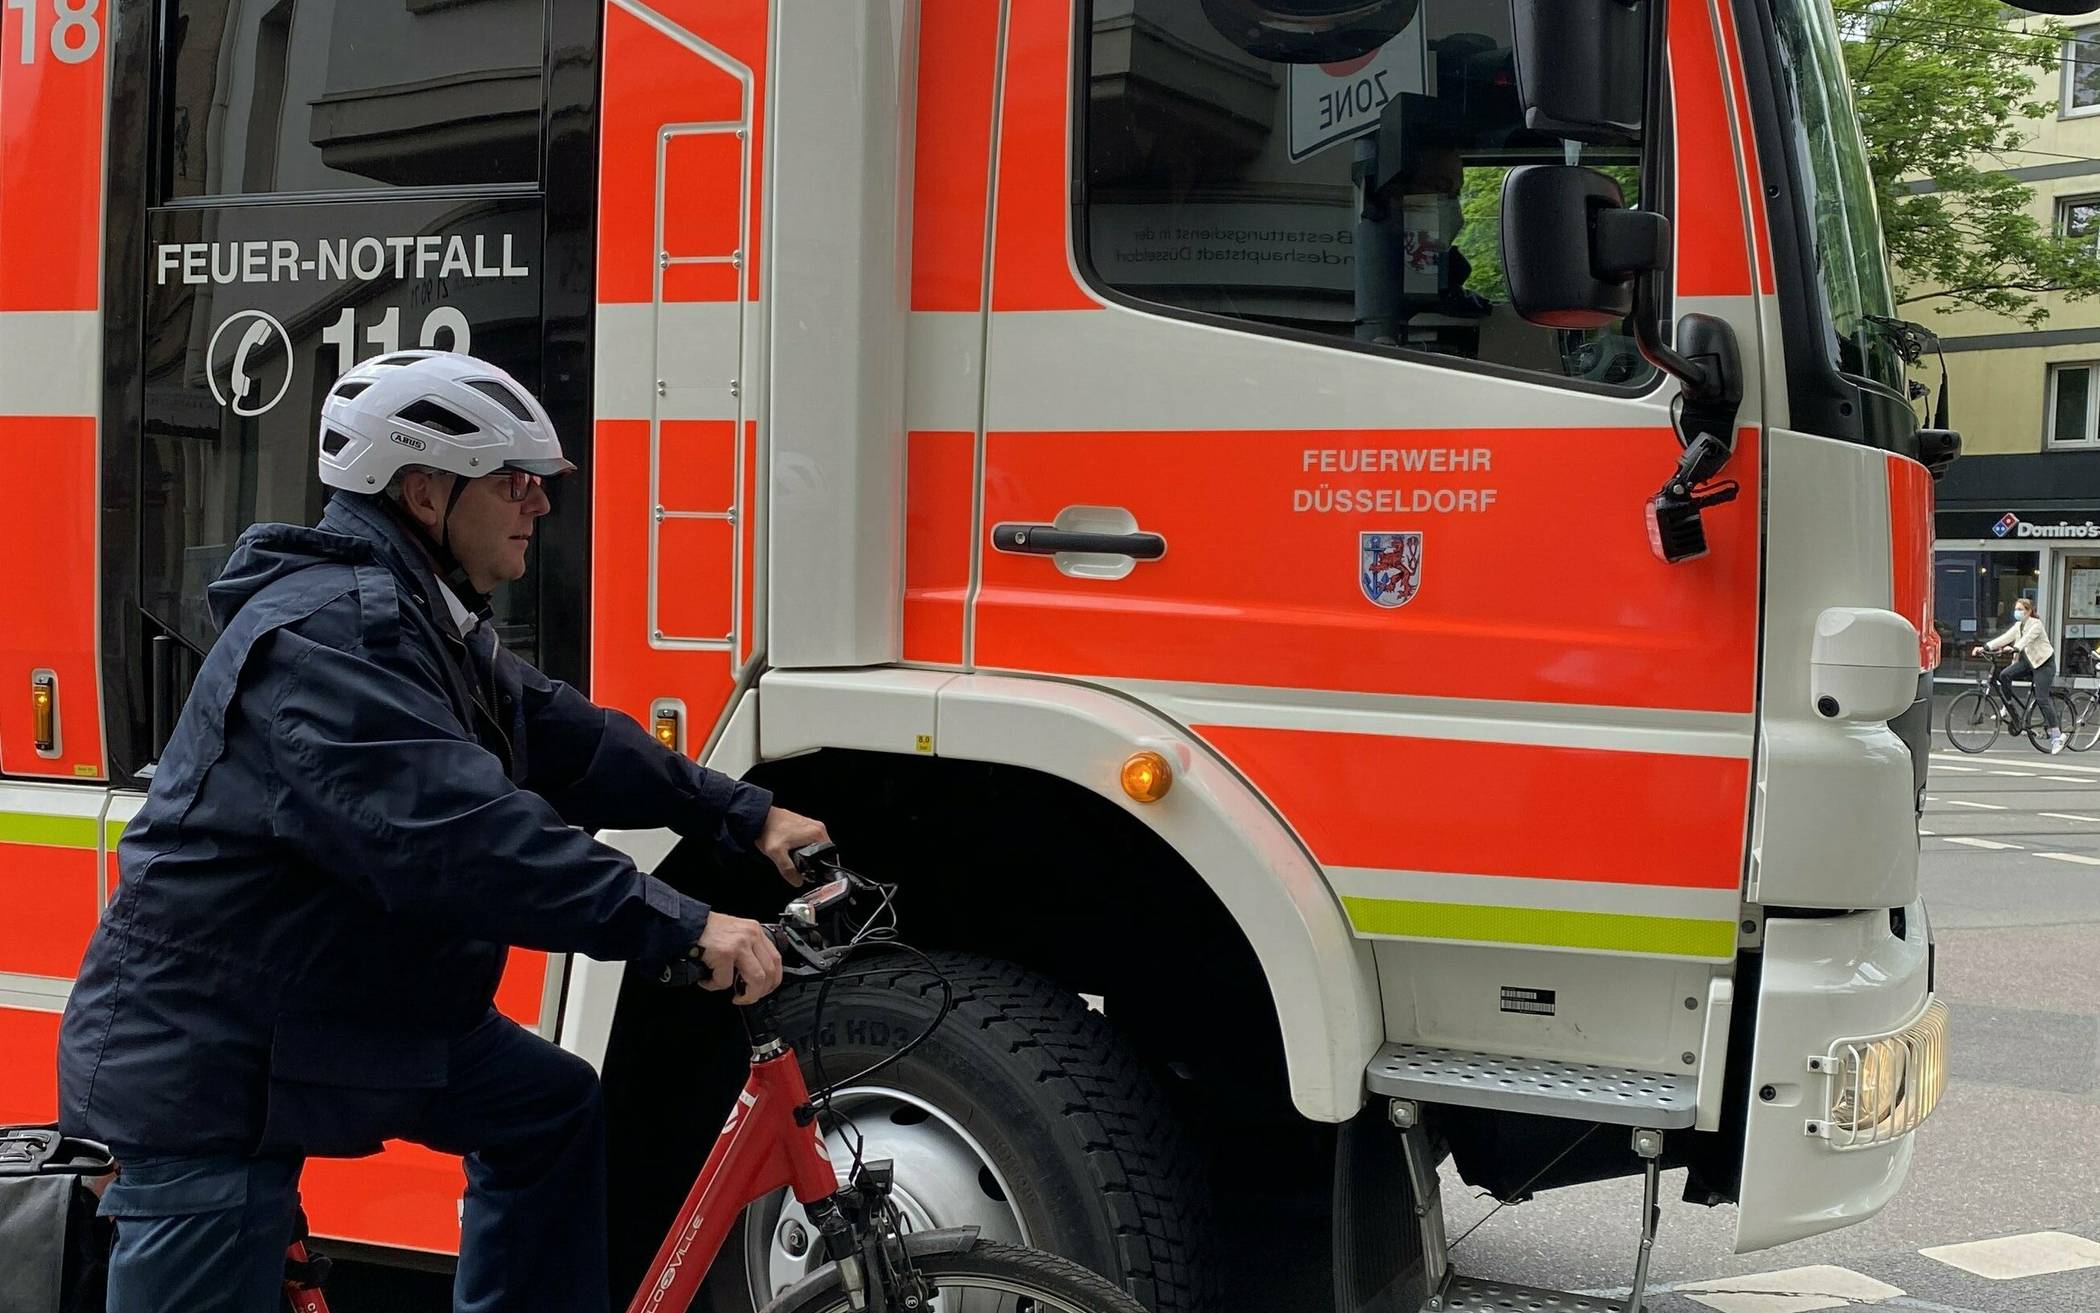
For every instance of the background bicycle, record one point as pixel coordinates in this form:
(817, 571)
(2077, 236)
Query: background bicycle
(1978, 715)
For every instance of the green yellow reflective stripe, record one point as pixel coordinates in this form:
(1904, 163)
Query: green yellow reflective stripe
(1608, 932)
(48, 831)
(111, 832)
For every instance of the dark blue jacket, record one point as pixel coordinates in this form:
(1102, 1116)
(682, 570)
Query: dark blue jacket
(354, 817)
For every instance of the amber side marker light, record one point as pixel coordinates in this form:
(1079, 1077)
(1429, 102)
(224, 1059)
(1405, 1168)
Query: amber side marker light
(667, 728)
(43, 712)
(1147, 776)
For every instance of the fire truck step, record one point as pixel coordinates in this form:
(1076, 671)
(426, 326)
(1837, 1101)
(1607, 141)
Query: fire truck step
(1614, 1096)
(1475, 1296)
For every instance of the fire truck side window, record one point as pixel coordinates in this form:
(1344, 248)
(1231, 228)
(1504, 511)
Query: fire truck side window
(1358, 199)
(289, 96)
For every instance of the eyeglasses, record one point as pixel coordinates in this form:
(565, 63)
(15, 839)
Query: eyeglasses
(517, 485)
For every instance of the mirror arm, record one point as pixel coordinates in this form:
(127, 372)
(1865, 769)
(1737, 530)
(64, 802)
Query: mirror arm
(1699, 379)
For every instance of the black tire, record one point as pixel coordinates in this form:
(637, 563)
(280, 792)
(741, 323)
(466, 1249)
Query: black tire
(2037, 728)
(1052, 1284)
(1090, 1158)
(1972, 721)
(2085, 722)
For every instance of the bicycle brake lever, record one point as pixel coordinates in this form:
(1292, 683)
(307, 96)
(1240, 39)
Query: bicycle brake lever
(800, 958)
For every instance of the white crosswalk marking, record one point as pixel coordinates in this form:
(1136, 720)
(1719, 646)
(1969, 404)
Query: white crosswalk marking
(2009, 1258)
(1991, 844)
(2064, 816)
(2079, 858)
(1795, 1290)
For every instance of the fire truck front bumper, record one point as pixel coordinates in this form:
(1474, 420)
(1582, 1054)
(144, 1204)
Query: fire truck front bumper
(1850, 1058)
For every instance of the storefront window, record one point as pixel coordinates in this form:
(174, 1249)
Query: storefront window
(1973, 596)
(2078, 609)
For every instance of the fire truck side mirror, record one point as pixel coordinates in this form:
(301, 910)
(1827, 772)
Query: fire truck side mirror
(1582, 67)
(1571, 250)
(1309, 31)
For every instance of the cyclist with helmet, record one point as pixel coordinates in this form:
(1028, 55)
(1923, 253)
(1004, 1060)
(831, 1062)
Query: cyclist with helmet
(365, 801)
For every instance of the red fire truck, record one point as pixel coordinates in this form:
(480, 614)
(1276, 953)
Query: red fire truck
(1364, 563)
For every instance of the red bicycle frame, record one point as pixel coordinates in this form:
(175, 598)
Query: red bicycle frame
(765, 1144)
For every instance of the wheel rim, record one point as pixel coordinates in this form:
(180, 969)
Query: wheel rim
(2086, 728)
(2038, 729)
(944, 1178)
(972, 1293)
(1972, 723)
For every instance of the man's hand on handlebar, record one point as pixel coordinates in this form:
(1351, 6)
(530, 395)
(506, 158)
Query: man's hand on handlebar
(783, 833)
(734, 949)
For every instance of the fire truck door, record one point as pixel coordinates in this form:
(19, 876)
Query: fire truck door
(1379, 545)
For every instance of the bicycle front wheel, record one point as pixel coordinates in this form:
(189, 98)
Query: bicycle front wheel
(1972, 722)
(985, 1277)
(2084, 728)
(2037, 730)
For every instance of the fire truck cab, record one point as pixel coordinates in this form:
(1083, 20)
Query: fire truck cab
(1382, 543)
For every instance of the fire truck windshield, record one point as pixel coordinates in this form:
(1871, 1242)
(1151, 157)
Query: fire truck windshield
(1851, 261)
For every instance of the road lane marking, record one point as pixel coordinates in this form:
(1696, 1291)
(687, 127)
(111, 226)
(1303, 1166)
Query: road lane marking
(1795, 1290)
(2079, 858)
(2066, 816)
(1952, 762)
(1991, 844)
(1980, 806)
(2068, 779)
(1926, 834)
(1966, 770)
(2010, 1258)
(2021, 774)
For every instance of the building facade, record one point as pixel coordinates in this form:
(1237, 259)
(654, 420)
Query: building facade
(2019, 513)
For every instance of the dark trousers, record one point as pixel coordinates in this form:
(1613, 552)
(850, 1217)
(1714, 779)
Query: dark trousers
(208, 1235)
(2044, 677)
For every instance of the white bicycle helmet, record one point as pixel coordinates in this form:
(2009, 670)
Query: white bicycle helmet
(435, 409)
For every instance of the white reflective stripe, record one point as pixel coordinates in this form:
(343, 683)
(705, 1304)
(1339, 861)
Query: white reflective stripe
(944, 371)
(1541, 724)
(34, 993)
(1119, 368)
(701, 335)
(78, 800)
(1550, 895)
(51, 362)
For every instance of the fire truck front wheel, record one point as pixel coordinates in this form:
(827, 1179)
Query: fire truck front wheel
(1023, 1114)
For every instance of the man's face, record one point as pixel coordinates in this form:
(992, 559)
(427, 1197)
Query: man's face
(489, 533)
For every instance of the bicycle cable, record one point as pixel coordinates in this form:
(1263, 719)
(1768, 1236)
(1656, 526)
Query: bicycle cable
(879, 931)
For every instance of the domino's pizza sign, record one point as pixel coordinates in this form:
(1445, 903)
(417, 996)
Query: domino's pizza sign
(2006, 524)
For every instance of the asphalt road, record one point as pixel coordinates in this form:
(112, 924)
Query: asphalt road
(2011, 874)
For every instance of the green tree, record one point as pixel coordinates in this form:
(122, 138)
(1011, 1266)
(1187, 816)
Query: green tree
(1947, 90)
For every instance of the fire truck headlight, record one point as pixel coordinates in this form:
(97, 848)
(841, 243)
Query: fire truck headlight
(1882, 1089)
(1147, 776)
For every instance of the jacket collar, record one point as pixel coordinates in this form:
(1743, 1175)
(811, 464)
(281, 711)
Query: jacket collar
(359, 516)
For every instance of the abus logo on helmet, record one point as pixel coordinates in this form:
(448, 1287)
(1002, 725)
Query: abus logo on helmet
(410, 440)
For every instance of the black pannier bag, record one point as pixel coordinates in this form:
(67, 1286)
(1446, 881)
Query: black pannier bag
(54, 1251)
